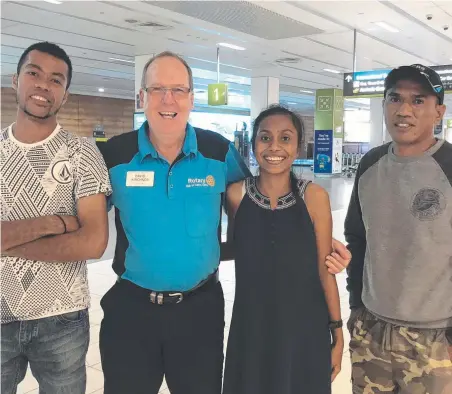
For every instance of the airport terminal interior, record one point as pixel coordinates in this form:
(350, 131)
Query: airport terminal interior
(326, 60)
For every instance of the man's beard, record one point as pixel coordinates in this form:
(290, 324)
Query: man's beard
(44, 117)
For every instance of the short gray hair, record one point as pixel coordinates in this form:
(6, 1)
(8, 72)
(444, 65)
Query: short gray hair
(167, 54)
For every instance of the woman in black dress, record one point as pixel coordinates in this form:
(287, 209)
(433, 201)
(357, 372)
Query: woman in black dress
(286, 303)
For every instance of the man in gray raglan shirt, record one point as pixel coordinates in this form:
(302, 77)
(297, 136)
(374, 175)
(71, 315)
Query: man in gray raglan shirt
(399, 230)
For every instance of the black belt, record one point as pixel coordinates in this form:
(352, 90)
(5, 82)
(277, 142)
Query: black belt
(171, 297)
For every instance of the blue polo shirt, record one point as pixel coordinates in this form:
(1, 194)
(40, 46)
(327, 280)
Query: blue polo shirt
(168, 217)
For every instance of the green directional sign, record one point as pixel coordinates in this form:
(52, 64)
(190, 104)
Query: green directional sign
(217, 94)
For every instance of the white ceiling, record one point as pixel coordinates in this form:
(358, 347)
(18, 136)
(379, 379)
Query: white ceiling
(310, 35)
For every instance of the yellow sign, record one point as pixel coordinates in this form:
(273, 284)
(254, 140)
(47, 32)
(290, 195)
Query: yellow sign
(217, 94)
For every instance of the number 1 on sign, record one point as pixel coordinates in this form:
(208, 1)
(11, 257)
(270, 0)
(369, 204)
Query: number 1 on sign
(216, 94)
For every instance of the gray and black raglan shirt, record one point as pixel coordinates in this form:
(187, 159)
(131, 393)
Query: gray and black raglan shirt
(399, 230)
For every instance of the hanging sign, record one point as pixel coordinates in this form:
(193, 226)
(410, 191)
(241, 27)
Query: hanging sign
(217, 94)
(371, 83)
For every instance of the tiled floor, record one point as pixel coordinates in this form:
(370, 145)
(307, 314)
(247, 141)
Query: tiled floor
(101, 278)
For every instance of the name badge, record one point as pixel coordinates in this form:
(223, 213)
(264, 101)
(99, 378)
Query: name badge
(140, 179)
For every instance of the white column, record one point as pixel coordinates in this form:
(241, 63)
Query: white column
(378, 132)
(448, 130)
(448, 135)
(264, 92)
(140, 62)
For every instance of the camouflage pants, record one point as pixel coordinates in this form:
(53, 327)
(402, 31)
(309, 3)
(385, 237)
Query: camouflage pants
(394, 359)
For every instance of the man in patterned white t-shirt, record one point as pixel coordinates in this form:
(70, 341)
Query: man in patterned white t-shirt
(53, 188)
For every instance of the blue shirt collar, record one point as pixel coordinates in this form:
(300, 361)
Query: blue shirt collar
(191, 142)
(146, 148)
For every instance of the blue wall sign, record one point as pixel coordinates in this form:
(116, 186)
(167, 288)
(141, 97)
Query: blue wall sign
(323, 152)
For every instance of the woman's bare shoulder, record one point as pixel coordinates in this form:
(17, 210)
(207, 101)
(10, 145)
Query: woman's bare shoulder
(235, 190)
(235, 194)
(315, 191)
(316, 198)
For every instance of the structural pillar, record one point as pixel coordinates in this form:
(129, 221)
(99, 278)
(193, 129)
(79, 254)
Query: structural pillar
(264, 92)
(328, 132)
(448, 131)
(378, 132)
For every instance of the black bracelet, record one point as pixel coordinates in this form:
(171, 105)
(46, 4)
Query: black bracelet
(64, 223)
(335, 324)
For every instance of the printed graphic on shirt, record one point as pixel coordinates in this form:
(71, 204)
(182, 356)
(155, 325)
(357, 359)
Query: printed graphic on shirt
(62, 172)
(39, 180)
(428, 204)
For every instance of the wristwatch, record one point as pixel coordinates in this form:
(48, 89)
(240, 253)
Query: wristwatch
(333, 326)
(336, 324)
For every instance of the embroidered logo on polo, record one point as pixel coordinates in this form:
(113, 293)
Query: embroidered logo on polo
(428, 204)
(209, 181)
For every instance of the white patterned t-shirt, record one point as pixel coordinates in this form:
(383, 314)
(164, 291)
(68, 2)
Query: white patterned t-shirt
(41, 179)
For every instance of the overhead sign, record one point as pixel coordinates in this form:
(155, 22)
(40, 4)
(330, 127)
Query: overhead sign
(371, 83)
(365, 83)
(445, 73)
(217, 94)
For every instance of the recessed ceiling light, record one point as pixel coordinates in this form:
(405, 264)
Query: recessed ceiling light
(387, 27)
(291, 102)
(53, 1)
(231, 46)
(331, 71)
(101, 90)
(121, 60)
(306, 91)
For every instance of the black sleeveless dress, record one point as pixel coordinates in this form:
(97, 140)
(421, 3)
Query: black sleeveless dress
(279, 340)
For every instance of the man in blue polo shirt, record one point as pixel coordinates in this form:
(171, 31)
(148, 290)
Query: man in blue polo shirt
(165, 315)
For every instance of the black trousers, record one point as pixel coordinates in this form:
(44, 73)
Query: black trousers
(141, 342)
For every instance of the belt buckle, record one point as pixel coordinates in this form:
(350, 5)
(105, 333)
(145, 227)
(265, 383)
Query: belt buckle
(180, 295)
(156, 298)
